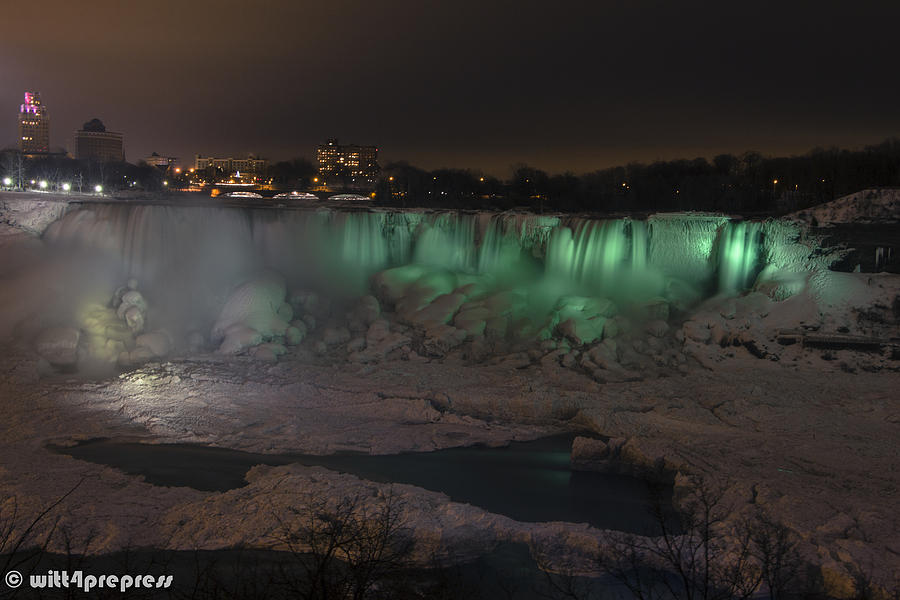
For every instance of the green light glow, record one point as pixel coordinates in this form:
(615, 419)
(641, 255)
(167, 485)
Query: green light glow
(199, 253)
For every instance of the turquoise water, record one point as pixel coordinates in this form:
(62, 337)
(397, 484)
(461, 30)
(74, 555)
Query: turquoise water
(336, 251)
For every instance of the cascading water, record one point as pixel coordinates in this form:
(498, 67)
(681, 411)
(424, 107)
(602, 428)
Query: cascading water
(738, 256)
(205, 251)
(447, 241)
(607, 258)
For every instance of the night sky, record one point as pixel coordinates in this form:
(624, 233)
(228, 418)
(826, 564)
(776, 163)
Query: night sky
(559, 85)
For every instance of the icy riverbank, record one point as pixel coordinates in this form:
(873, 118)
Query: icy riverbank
(427, 359)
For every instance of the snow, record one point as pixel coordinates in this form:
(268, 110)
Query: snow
(695, 385)
(880, 205)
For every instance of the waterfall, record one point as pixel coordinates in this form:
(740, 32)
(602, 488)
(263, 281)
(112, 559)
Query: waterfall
(447, 241)
(738, 256)
(203, 251)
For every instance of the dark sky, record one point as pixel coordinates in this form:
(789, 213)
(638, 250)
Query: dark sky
(481, 84)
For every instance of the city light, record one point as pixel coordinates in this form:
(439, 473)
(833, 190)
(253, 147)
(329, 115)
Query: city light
(66, 187)
(98, 188)
(165, 183)
(43, 185)
(7, 181)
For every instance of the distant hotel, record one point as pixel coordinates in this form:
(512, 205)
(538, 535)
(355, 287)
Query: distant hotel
(163, 163)
(232, 166)
(94, 142)
(34, 125)
(351, 163)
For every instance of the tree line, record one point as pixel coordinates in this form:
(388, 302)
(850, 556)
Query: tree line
(748, 183)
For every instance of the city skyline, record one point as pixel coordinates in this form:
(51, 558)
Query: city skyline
(572, 88)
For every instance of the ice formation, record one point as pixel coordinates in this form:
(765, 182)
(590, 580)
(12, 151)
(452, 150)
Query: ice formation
(234, 275)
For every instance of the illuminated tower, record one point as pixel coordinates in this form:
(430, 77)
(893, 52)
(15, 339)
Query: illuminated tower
(34, 125)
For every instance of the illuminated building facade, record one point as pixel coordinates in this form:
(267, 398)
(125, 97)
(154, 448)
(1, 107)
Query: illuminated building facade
(34, 125)
(94, 142)
(163, 163)
(351, 163)
(231, 166)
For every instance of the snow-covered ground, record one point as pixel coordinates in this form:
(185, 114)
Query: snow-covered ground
(867, 206)
(808, 433)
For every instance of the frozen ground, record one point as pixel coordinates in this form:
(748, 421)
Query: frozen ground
(867, 206)
(809, 433)
(813, 444)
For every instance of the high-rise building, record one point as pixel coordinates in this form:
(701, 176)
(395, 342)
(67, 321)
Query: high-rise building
(94, 142)
(34, 125)
(359, 164)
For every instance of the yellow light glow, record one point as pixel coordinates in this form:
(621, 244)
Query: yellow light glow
(774, 181)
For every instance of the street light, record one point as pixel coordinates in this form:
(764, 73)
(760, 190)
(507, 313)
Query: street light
(774, 183)
(43, 185)
(7, 181)
(67, 187)
(98, 188)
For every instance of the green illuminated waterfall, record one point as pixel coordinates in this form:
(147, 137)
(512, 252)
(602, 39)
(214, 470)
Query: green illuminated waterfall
(623, 259)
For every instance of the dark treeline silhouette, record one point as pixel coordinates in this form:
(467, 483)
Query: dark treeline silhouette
(749, 183)
(297, 173)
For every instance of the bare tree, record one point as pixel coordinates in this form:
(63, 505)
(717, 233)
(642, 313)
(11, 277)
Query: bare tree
(347, 548)
(701, 556)
(774, 547)
(23, 549)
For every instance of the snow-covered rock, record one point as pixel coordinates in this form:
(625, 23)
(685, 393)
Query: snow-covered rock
(366, 311)
(158, 342)
(439, 310)
(239, 338)
(866, 206)
(440, 339)
(252, 306)
(580, 330)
